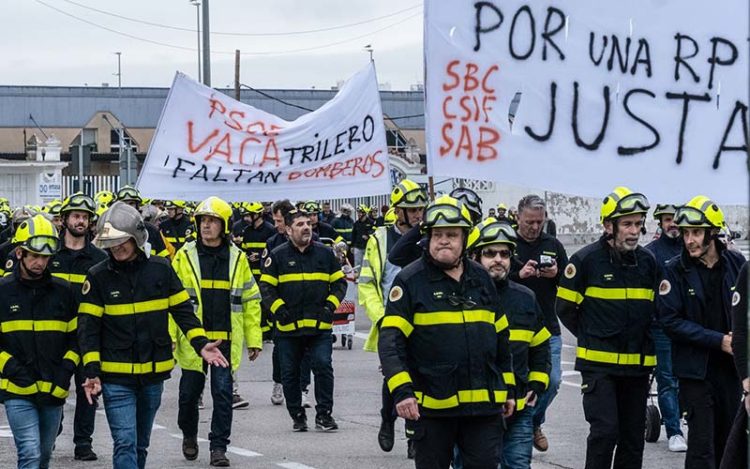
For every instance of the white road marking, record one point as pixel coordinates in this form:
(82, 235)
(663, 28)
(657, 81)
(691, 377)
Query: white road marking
(568, 346)
(5, 432)
(242, 452)
(361, 335)
(573, 385)
(570, 373)
(158, 427)
(293, 465)
(567, 363)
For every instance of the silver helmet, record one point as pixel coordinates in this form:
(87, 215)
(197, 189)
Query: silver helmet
(119, 223)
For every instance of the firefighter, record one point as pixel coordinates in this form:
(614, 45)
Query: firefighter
(444, 347)
(38, 351)
(606, 299)
(75, 257)
(695, 301)
(217, 276)
(408, 201)
(302, 285)
(178, 227)
(123, 332)
(361, 231)
(492, 244)
(159, 246)
(320, 228)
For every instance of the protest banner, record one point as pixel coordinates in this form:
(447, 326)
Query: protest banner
(209, 144)
(648, 94)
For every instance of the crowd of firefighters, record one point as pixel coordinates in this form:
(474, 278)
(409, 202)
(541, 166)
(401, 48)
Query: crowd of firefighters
(112, 291)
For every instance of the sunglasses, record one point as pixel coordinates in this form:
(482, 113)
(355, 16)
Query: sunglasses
(492, 253)
(455, 300)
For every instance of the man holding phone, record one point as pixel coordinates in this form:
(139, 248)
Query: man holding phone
(540, 261)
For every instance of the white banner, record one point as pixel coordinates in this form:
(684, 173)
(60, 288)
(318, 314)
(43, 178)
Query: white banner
(208, 144)
(651, 94)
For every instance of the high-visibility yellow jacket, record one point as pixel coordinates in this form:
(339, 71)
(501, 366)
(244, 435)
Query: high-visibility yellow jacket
(369, 284)
(244, 299)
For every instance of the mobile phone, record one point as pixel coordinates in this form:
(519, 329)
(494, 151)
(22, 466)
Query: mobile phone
(545, 261)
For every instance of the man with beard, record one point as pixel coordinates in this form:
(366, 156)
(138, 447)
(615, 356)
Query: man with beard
(444, 347)
(178, 227)
(302, 285)
(664, 248)
(74, 259)
(492, 243)
(695, 299)
(606, 299)
(320, 228)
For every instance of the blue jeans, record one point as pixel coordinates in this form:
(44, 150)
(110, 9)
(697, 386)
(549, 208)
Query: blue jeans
(319, 349)
(518, 440)
(555, 377)
(666, 383)
(131, 436)
(34, 430)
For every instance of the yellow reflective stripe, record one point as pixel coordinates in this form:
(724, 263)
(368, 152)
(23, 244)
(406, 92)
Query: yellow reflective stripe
(336, 276)
(72, 324)
(92, 309)
(540, 337)
(453, 317)
(399, 323)
(30, 325)
(180, 297)
(72, 278)
(216, 335)
(252, 244)
(215, 284)
(469, 396)
(4, 357)
(301, 323)
(521, 335)
(39, 386)
(399, 379)
(72, 356)
(520, 403)
(276, 305)
(195, 332)
(540, 377)
(501, 324)
(335, 301)
(255, 271)
(91, 357)
(307, 277)
(620, 293)
(509, 378)
(137, 368)
(569, 295)
(615, 358)
(269, 279)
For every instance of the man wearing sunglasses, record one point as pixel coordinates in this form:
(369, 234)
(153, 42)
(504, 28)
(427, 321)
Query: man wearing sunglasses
(492, 244)
(664, 248)
(376, 276)
(444, 347)
(74, 259)
(695, 301)
(539, 263)
(606, 299)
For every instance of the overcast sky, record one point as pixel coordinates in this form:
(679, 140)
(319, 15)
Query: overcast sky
(41, 43)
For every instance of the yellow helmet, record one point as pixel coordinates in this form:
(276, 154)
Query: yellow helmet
(446, 212)
(502, 206)
(364, 208)
(175, 204)
(622, 201)
(252, 207)
(700, 212)
(38, 235)
(390, 218)
(129, 194)
(311, 206)
(408, 194)
(104, 197)
(79, 201)
(214, 207)
(664, 209)
(53, 208)
(491, 231)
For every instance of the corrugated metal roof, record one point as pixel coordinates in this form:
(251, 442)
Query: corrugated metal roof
(72, 107)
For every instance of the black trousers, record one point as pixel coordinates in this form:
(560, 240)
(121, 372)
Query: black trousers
(85, 414)
(735, 452)
(710, 407)
(478, 439)
(615, 408)
(191, 388)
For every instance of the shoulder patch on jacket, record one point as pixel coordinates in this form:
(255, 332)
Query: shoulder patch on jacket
(86, 287)
(665, 287)
(570, 271)
(396, 293)
(9, 264)
(736, 298)
(268, 262)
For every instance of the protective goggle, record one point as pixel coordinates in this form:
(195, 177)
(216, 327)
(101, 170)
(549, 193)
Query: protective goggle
(415, 197)
(497, 233)
(80, 201)
(311, 208)
(448, 213)
(45, 245)
(691, 216)
(632, 203)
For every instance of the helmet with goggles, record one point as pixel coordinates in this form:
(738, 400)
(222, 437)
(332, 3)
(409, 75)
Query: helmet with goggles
(622, 201)
(38, 235)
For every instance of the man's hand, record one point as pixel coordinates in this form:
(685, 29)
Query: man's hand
(746, 387)
(253, 257)
(549, 272)
(408, 409)
(508, 407)
(92, 387)
(531, 399)
(253, 353)
(213, 356)
(529, 270)
(726, 344)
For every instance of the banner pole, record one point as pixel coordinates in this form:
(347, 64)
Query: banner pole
(237, 74)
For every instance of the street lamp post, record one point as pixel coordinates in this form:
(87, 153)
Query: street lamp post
(197, 5)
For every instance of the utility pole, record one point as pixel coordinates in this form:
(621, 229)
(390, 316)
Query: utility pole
(197, 5)
(119, 70)
(237, 74)
(206, 46)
